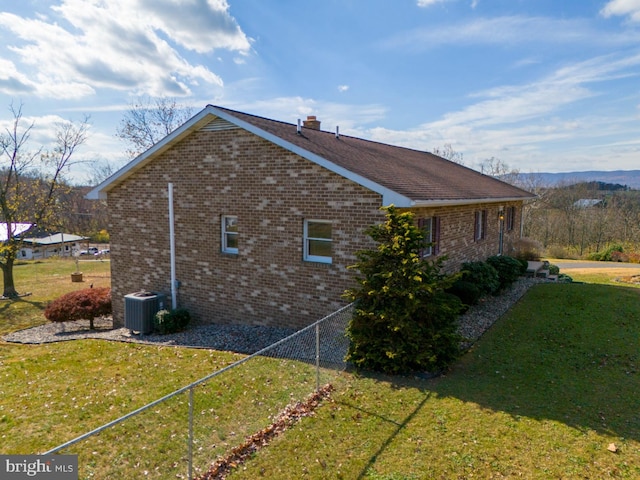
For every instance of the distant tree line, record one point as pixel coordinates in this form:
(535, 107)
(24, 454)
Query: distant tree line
(575, 219)
(580, 219)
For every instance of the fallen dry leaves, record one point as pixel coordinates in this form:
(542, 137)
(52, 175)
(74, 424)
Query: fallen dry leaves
(291, 414)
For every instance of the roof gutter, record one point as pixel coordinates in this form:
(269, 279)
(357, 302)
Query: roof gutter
(470, 201)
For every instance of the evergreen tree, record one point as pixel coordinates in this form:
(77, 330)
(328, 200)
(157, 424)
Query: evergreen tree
(404, 320)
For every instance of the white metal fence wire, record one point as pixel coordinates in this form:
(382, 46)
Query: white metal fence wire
(182, 433)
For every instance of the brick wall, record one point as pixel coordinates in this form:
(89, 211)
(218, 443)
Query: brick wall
(271, 191)
(457, 231)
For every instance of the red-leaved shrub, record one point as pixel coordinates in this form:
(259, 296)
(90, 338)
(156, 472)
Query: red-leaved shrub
(84, 304)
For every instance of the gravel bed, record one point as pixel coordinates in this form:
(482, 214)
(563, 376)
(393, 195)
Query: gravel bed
(250, 338)
(237, 338)
(477, 320)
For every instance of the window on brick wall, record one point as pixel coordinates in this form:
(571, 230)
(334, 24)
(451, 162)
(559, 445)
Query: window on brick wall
(511, 218)
(480, 225)
(317, 241)
(229, 234)
(431, 229)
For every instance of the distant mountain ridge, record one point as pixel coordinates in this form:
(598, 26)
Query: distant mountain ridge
(630, 178)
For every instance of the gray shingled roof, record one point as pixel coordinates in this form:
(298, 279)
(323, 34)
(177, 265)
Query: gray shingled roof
(420, 176)
(401, 175)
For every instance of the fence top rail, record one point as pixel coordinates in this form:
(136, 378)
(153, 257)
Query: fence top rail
(194, 384)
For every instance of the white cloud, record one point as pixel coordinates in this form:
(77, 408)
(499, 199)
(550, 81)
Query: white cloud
(518, 122)
(129, 45)
(428, 3)
(290, 109)
(629, 8)
(12, 81)
(343, 88)
(508, 30)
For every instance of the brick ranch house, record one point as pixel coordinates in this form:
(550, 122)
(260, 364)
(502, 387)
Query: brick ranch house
(267, 216)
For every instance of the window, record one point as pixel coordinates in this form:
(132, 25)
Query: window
(480, 225)
(317, 241)
(511, 218)
(229, 234)
(431, 229)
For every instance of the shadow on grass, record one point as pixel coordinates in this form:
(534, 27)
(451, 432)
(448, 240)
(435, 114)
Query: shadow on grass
(10, 306)
(567, 353)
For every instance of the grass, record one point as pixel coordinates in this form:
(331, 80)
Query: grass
(542, 395)
(43, 281)
(612, 274)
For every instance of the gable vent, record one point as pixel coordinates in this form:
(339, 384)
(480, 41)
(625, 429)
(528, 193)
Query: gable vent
(218, 124)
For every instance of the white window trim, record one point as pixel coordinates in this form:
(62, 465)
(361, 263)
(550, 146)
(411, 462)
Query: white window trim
(315, 258)
(480, 225)
(223, 229)
(427, 250)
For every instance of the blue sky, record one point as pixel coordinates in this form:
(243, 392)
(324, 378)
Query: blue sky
(541, 85)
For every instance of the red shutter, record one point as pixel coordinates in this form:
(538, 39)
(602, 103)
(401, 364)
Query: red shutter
(421, 227)
(476, 218)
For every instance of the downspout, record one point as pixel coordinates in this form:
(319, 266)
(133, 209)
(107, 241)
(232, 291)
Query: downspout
(172, 250)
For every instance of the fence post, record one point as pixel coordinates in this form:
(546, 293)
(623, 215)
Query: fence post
(190, 433)
(318, 357)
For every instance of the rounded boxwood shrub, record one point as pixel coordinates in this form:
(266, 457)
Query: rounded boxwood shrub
(508, 268)
(171, 321)
(469, 293)
(85, 304)
(484, 275)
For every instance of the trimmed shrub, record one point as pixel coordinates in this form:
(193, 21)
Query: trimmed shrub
(171, 321)
(554, 269)
(85, 304)
(508, 268)
(485, 276)
(468, 292)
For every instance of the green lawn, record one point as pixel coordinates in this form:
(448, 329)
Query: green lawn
(43, 281)
(542, 395)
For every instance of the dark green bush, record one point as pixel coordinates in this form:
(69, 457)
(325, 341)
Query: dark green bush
(171, 321)
(508, 268)
(403, 320)
(85, 304)
(468, 292)
(554, 269)
(483, 275)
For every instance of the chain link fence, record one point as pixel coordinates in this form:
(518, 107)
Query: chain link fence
(182, 433)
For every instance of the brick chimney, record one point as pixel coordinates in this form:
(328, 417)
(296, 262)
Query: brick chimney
(311, 122)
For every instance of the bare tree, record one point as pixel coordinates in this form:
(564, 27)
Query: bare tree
(148, 121)
(30, 182)
(449, 153)
(101, 169)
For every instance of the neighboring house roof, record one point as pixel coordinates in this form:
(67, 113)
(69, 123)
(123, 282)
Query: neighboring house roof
(54, 238)
(17, 229)
(403, 176)
(587, 202)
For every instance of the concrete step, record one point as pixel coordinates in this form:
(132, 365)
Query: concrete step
(542, 273)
